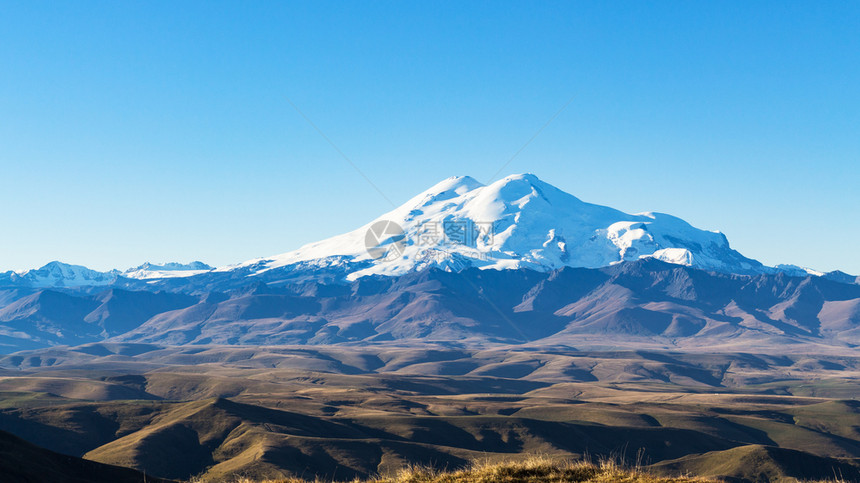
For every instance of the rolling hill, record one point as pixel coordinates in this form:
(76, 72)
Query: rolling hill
(22, 462)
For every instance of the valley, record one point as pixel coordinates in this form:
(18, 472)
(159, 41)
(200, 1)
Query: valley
(215, 413)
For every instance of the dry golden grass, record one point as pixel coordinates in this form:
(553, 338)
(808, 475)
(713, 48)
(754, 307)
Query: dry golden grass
(537, 469)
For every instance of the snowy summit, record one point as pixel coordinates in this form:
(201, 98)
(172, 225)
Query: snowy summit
(516, 222)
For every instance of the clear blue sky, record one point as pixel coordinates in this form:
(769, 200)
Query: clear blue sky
(160, 131)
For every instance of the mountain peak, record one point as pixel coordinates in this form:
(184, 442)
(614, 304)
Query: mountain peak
(521, 188)
(517, 186)
(523, 178)
(518, 221)
(166, 270)
(446, 189)
(196, 265)
(59, 274)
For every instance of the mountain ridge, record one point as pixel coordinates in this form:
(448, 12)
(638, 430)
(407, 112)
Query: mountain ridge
(643, 304)
(518, 222)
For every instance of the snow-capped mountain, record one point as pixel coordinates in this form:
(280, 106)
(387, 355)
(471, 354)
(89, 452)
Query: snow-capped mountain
(149, 271)
(58, 274)
(597, 276)
(797, 271)
(516, 222)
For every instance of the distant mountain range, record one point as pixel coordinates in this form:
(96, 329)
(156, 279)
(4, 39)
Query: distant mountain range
(514, 262)
(642, 304)
(58, 274)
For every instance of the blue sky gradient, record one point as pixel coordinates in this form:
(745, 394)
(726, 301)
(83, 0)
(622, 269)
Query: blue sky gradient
(163, 131)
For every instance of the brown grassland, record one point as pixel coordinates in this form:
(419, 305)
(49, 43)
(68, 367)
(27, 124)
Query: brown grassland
(221, 414)
(536, 469)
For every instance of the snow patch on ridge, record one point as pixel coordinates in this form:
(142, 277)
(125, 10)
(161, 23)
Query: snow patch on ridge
(166, 270)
